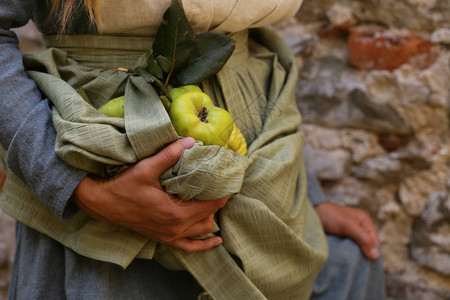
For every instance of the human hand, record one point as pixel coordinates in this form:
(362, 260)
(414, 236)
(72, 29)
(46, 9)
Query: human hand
(136, 200)
(350, 222)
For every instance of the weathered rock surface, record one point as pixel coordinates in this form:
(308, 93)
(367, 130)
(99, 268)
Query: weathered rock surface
(430, 244)
(416, 15)
(390, 116)
(330, 94)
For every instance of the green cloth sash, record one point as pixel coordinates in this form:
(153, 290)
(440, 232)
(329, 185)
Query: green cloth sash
(274, 244)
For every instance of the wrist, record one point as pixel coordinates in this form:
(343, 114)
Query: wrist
(88, 196)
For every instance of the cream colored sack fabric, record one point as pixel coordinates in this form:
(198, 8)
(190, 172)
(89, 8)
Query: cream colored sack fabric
(273, 245)
(142, 17)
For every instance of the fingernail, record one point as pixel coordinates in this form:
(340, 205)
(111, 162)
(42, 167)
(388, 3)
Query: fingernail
(187, 143)
(374, 253)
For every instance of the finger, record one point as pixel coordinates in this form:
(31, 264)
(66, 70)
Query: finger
(195, 211)
(188, 245)
(219, 202)
(169, 156)
(203, 227)
(186, 214)
(364, 240)
(367, 224)
(172, 232)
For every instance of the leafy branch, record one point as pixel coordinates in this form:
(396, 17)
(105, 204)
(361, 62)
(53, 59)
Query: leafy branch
(179, 57)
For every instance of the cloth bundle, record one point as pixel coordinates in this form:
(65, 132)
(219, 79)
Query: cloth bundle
(273, 245)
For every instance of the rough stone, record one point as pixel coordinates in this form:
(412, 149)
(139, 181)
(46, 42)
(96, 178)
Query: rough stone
(299, 45)
(441, 35)
(437, 78)
(339, 14)
(379, 169)
(409, 86)
(430, 245)
(377, 197)
(299, 37)
(348, 191)
(313, 10)
(326, 165)
(382, 88)
(325, 96)
(400, 288)
(395, 236)
(411, 89)
(414, 191)
(432, 257)
(333, 46)
(421, 117)
(359, 143)
(427, 150)
(421, 16)
(322, 137)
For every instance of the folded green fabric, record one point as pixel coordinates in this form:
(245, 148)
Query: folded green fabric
(273, 245)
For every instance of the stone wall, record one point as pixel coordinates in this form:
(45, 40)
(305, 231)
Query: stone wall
(375, 98)
(374, 95)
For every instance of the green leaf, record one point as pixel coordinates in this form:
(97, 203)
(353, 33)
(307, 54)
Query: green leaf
(178, 52)
(152, 65)
(164, 63)
(210, 54)
(175, 37)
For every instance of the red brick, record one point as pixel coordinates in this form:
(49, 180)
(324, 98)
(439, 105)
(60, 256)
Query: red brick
(383, 50)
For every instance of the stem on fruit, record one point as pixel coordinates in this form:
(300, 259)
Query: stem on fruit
(203, 114)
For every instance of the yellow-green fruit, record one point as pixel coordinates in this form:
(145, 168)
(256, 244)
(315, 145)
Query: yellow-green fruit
(114, 107)
(193, 114)
(237, 141)
(178, 91)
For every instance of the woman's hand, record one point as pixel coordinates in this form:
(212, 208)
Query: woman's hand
(351, 222)
(136, 200)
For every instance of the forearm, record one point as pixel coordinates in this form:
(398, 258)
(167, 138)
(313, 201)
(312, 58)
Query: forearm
(26, 129)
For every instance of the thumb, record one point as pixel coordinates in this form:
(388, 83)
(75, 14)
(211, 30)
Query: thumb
(170, 155)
